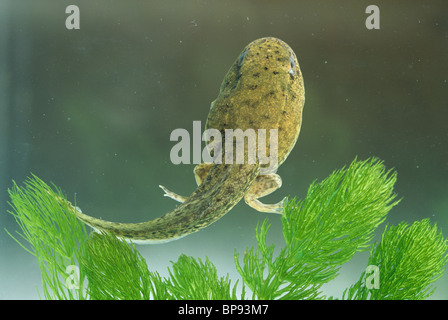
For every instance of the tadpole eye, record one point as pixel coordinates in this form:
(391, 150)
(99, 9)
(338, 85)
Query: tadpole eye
(241, 58)
(292, 64)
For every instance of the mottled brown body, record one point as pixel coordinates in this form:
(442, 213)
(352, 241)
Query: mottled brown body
(262, 90)
(262, 93)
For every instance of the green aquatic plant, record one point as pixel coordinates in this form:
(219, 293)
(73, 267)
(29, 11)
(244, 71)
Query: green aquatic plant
(409, 259)
(323, 231)
(116, 270)
(335, 220)
(55, 237)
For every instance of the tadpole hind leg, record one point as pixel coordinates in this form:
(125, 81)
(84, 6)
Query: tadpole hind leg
(200, 172)
(173, 195)
(262, 186)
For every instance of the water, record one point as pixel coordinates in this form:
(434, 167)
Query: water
(92, 110)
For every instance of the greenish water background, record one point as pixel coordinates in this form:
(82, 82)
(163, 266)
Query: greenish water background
(92, 110)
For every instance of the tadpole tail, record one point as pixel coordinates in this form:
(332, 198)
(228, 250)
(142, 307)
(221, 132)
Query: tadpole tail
(221, 190)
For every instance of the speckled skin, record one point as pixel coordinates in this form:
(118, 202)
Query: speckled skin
(262, 93)
(262, 90)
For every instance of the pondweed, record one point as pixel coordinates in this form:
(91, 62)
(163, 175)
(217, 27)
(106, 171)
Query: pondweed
(323, 231)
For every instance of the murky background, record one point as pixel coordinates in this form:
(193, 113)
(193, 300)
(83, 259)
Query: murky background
(92, 110)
